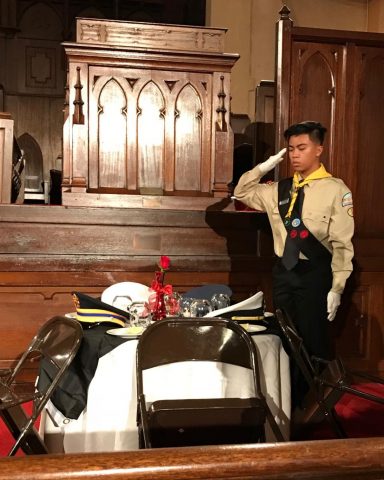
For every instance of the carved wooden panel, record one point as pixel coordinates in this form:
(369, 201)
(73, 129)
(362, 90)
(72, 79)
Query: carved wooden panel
(148, 130)
(316, 81)
(169, 37)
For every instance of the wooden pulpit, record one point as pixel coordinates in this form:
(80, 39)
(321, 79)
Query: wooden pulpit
(147, 116)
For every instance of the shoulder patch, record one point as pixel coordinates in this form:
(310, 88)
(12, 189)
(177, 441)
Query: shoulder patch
(347, 201)
(350, 211)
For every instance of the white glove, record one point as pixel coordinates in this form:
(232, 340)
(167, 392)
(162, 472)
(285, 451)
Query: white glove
(272, 161)
(333, 302)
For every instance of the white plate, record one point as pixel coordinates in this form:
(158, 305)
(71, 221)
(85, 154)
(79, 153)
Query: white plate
(71, 315)
(127, 332)
(253, 328)
(136, 291)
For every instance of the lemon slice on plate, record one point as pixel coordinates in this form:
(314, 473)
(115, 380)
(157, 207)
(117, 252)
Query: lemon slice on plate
(253, 328)
(134, 330)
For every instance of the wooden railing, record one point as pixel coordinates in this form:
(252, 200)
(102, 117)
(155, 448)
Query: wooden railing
(353, 459)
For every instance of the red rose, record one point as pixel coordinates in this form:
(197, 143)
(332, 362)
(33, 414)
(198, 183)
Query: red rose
(164, 263)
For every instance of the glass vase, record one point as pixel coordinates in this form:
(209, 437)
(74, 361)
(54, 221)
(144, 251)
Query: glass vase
(159, 310)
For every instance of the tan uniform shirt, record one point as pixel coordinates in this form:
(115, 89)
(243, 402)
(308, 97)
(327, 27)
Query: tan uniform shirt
(327, 213)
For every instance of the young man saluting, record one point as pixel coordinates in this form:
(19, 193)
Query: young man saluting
(311, 217)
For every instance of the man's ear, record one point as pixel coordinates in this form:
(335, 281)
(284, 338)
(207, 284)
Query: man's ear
(319, 150)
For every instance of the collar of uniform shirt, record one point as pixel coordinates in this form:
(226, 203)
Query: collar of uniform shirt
(299, 183)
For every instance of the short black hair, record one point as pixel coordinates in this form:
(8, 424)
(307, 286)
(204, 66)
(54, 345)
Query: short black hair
(315, 130)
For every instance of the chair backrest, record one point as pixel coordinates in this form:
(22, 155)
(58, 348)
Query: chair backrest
(56, 343)
(203, 339)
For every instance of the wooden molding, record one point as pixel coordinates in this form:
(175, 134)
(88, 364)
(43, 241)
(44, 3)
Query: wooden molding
(142, 35)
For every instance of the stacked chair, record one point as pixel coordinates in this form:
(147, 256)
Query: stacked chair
(200, 421)
(56, 343)
(328, 382)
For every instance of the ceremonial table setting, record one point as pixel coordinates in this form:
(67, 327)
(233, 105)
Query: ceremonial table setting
(95, 407)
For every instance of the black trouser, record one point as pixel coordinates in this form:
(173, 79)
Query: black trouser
(302, 294)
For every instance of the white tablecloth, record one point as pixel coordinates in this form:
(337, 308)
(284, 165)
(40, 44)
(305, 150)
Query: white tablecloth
(109, 421)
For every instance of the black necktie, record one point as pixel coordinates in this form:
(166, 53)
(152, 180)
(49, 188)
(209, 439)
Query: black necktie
(291, 248)
(291, 253)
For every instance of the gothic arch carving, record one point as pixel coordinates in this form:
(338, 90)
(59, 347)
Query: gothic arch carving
(188, 139)
(151, 110)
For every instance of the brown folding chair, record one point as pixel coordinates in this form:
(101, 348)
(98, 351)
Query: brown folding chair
(55, 344)
(201, 421)
(328, 381)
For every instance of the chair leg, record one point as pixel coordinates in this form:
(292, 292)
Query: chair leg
(275, 428)
(30, 441)
(359, 393)
(20, 438)
(331, 417)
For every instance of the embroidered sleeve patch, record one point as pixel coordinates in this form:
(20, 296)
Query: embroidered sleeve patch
(346, 201)
(350, 211)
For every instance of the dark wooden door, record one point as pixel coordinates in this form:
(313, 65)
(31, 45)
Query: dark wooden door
(317, 77)
(369, 140)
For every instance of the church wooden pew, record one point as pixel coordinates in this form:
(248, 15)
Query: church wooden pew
(353, 459)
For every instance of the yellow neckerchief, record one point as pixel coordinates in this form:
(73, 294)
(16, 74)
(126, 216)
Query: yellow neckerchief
(298, 183)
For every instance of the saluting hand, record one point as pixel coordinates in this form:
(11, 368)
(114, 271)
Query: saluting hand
(272, 161)
(333, 302)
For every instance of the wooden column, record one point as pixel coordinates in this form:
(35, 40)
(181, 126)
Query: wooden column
(6, 146)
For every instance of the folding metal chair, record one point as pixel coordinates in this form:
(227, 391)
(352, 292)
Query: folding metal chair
(328, 381)
(55, 344)
(200, 421)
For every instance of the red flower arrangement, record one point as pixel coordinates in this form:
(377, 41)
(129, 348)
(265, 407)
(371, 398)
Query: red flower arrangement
(156, 301)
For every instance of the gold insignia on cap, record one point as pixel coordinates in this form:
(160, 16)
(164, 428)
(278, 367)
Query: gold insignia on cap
(76, 300)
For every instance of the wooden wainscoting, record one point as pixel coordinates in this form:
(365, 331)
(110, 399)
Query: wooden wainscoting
(49, 251)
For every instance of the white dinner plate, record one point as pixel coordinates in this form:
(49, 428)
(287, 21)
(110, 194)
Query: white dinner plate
(253, 328)
(127, 332)
(137, 292)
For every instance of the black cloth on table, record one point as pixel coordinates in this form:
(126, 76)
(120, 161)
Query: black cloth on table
(70, 397)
